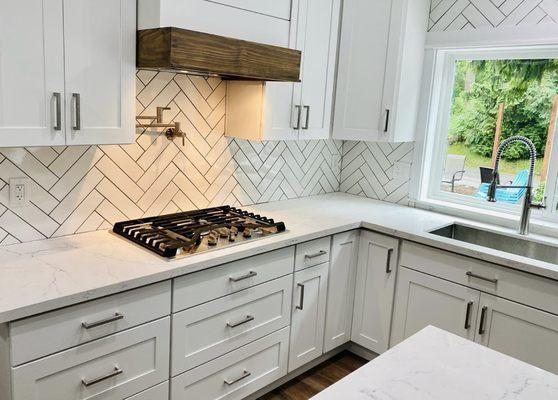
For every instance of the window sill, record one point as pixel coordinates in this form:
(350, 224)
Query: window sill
(500, 218)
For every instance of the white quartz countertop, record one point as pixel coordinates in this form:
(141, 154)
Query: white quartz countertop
(437, 365)
(44, 275)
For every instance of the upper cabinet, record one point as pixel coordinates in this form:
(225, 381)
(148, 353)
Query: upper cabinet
(69, 78)
(283, 111)
(381, 52)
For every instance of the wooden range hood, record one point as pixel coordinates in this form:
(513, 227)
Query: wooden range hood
(182, 50)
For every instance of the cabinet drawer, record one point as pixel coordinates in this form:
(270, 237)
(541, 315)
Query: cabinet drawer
(312, 253)
(208, 331)
(237, 374)
(159, 392)
(111, 368)
(68, 327)
(203, 286)
(500, 281)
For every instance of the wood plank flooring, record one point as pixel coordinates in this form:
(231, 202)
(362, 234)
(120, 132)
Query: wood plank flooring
(317, 379)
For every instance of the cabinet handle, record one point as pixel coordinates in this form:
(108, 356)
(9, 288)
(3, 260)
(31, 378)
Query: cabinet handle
(386, 125)
(388, 262)
(244, 375)
(297, 126)
(316, 255)
(249, 275)
(58, 111)
(468, 315)
(77, 99)
(482, 278)
(88, 382)
(482, 321)
(91, 325)
(301, 302)
(246, 319)
(307, 123)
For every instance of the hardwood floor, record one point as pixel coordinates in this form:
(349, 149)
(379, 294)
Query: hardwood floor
(317, 379)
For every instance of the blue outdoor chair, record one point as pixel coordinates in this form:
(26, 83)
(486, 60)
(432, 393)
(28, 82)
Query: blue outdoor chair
(505, 195)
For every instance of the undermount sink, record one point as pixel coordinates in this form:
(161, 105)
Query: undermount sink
(497, 241)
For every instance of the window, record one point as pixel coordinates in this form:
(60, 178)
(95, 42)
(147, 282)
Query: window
(480, 98)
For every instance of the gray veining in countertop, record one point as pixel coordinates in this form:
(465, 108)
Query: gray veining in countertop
(437, 365)
(40, 276)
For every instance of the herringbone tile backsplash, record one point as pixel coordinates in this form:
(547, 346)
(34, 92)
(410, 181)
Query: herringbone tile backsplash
(84, 188)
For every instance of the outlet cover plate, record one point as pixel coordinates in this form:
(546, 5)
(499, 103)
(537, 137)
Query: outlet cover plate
(19, 192)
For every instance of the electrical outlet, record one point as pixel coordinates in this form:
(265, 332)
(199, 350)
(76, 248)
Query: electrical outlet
(401, 171)
(19, 192)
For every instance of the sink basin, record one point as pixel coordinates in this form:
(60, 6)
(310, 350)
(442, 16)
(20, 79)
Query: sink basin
(497, 241)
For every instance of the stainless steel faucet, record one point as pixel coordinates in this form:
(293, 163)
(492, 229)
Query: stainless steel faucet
(528, 203)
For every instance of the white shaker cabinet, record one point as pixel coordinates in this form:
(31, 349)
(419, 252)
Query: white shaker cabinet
(519, 331)
(375, 284)
(381, 52)
(70, 78)
(291, 111)
(423, 300)
(341, 289)
(308, 315)
(31, 73)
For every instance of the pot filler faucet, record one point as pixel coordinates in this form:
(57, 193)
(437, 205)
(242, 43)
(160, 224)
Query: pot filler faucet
(528, 198)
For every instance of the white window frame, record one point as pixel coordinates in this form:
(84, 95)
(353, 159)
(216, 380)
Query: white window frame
(438, 84)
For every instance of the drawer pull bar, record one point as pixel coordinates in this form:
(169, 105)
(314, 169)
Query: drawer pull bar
(91, 325)
(117, 371)
(482, 328)
(301, 303)
(246, 319)
(388, 262)
(468, 315)
(482, 278)
(249, 275)
(244, 375)
(316, 255)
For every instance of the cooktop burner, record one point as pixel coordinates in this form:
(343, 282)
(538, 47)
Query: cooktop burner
(197, 231)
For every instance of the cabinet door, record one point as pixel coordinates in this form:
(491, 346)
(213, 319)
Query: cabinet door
(422, 300)
(308, 315)
(375, 282)
(31, 73)
(519, 331)
(99, 44)
(362, 69)
(341, 289)
(319, 33)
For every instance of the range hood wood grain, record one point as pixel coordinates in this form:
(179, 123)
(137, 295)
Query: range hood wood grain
(183, 50)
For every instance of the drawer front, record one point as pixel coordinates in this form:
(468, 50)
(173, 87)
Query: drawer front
(500, 281)
(204, 286)
(75, 325)
(238, 373)
(312, 253)
(111, 368)
(159, 392)
(208, 331)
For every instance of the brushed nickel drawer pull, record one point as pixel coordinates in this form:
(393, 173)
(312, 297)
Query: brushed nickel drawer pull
(307, 123)
(468, 315)
(77, 124)
(58, 111)
(316, 255)
(301, 303)
(246, 319)
(482, 278)
(244, 375)
(91, 325)
(388, 262)
(86, 382)
(299, 112)
(249, 275)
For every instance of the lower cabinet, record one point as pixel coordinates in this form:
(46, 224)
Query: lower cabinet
(519, 331)
(375, 283)
(341, 289)
(308, 315)
(236, 374)
(159, 392)
(423, 300)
